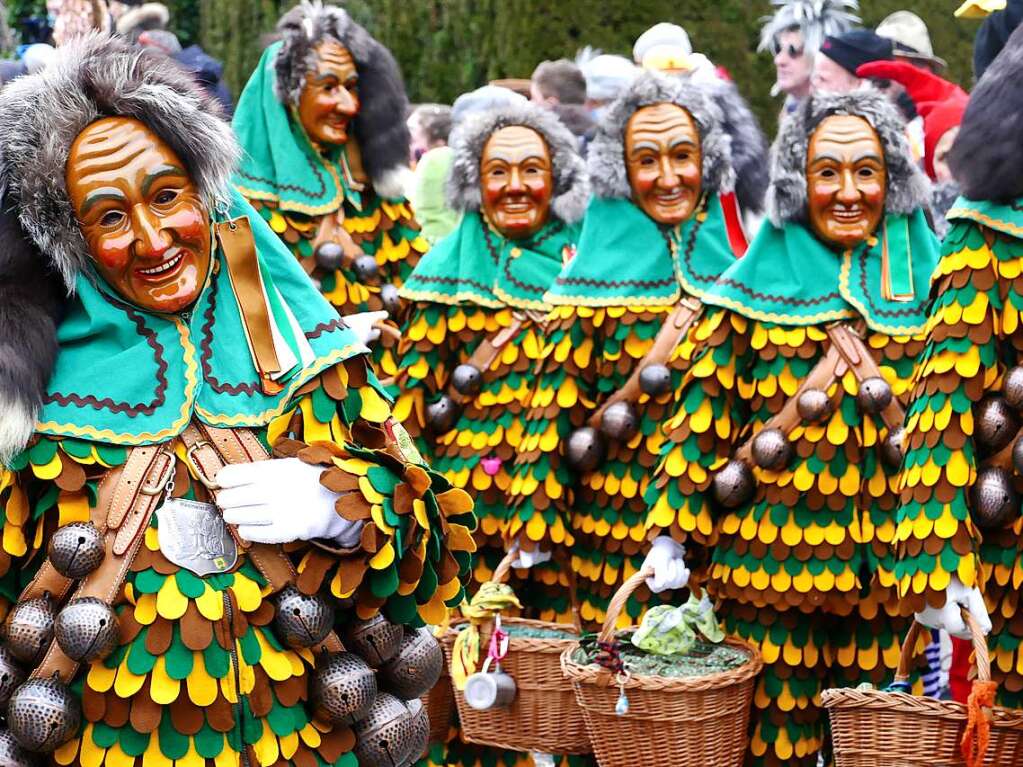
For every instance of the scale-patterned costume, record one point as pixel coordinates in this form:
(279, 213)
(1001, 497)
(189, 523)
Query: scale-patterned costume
(609, 304)
(802, 568)
(198, 677)
(356, 187)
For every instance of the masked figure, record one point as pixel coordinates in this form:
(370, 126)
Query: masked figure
(198, 584)
(654, 238)
(779, 467)
(959, 527)
(325, 153)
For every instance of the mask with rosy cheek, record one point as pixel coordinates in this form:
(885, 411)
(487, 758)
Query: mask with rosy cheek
(664, 161)
(141, 215)
(329, 99)
(516, 180)
(846, 181)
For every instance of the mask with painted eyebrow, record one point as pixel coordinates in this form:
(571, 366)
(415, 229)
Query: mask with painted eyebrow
(664, 162)
(516, 181)
(329, 100)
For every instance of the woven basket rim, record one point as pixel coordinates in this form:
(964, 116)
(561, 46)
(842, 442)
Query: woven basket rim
(851, 698)
(600, 676)
(524, 644)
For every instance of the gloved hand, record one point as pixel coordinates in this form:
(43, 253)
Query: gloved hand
(666, 559)
(529, 558)
(282, 500)
(950, 618)
(363, 325)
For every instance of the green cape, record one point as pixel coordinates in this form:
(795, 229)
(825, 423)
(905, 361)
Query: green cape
(475, 264)
(128, 377)
(279, 163)
(790, 277)
(627, 258)
(1007, 219)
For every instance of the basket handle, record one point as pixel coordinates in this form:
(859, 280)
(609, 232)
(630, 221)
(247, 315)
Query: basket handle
(983, 659)
(617, 603)
(500, 574)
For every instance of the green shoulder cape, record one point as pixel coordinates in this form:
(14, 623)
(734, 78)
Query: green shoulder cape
(790, 277)
(125, 376)
(627, 258)
(475, 264)
(1007, 218)
(279, 163)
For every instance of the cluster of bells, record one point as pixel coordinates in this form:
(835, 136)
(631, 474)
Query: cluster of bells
(442, 414)
(374, 685)
(331, 256)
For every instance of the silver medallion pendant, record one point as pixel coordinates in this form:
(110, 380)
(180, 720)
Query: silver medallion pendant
(194, 536)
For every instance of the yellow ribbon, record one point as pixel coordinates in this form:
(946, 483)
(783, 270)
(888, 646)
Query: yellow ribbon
(491, 599)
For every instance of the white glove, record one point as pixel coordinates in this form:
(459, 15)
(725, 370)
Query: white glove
(280, 501)
(666, 559)
(950, 617)
(527, 559)
(363, 325)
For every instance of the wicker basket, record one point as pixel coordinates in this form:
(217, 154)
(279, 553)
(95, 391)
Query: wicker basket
(874, 728)
(689, 722)
(544, 715)
(440, 704)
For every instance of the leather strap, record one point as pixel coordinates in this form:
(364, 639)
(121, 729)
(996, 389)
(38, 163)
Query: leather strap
(489, 349)
(676, 326)
(862, 364)
(239, 249)
(331, 229)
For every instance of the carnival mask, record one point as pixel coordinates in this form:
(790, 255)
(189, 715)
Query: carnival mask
(329, 99)
(846, 180)
(664, 162)
(516, 179)
(143, 220)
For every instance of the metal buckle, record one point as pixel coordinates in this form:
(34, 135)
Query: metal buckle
(166, 476)
(208, 483)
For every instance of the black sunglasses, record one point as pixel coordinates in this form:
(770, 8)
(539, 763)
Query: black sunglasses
(793, 51)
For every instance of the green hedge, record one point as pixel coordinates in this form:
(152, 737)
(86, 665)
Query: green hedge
(446, 47)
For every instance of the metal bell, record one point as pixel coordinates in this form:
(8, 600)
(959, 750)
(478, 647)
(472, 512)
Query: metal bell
(29, 630)
(655, 380)
(330, 256)
(366, 268)
(390, 299)
(772, 449)
(733, 485)
(442, 415)
(417, 666)
(86, 630)
(375, 640)
(1017, 455)
(997, 423)
(619, 422)
(302, 620)
(993, 501)
(893, 448)
(344, 688)
(76, 550)
(420, 730)
(467, 380)
(11, 676)
(12, 754)
(385, 737)
(874, 395)
(1012, 387)
(814, 406)
(585, 450)
(43, 714)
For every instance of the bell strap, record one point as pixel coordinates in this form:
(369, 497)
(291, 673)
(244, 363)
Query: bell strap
(861, 362)
(331, 229)
(208, 450)
(675, 328)
(129, 495)
(489, 349)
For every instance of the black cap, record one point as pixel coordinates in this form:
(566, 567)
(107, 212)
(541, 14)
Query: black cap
(860, 46)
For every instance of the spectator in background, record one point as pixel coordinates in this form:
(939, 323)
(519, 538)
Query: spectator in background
(146, 17)
(33, 59)
(206, 69)
(607, 76)
(482, 99)
(834, 68)
(429, 126)
(560, 87)
(72, 18)
(912, 40)
(795, 33)
(666, 48)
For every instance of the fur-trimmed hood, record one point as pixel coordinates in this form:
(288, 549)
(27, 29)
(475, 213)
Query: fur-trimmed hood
(379, 127)
(908, 187)
(606, 153)
(92, 77)
(571, 184)
(987, 157)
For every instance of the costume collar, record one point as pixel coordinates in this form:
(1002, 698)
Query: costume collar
(1006, 218)
(475, 264)
(279, 162)
(129, 377)
(627, 258)
(790, 277)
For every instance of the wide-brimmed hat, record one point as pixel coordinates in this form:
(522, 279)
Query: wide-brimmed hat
(911, 37)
